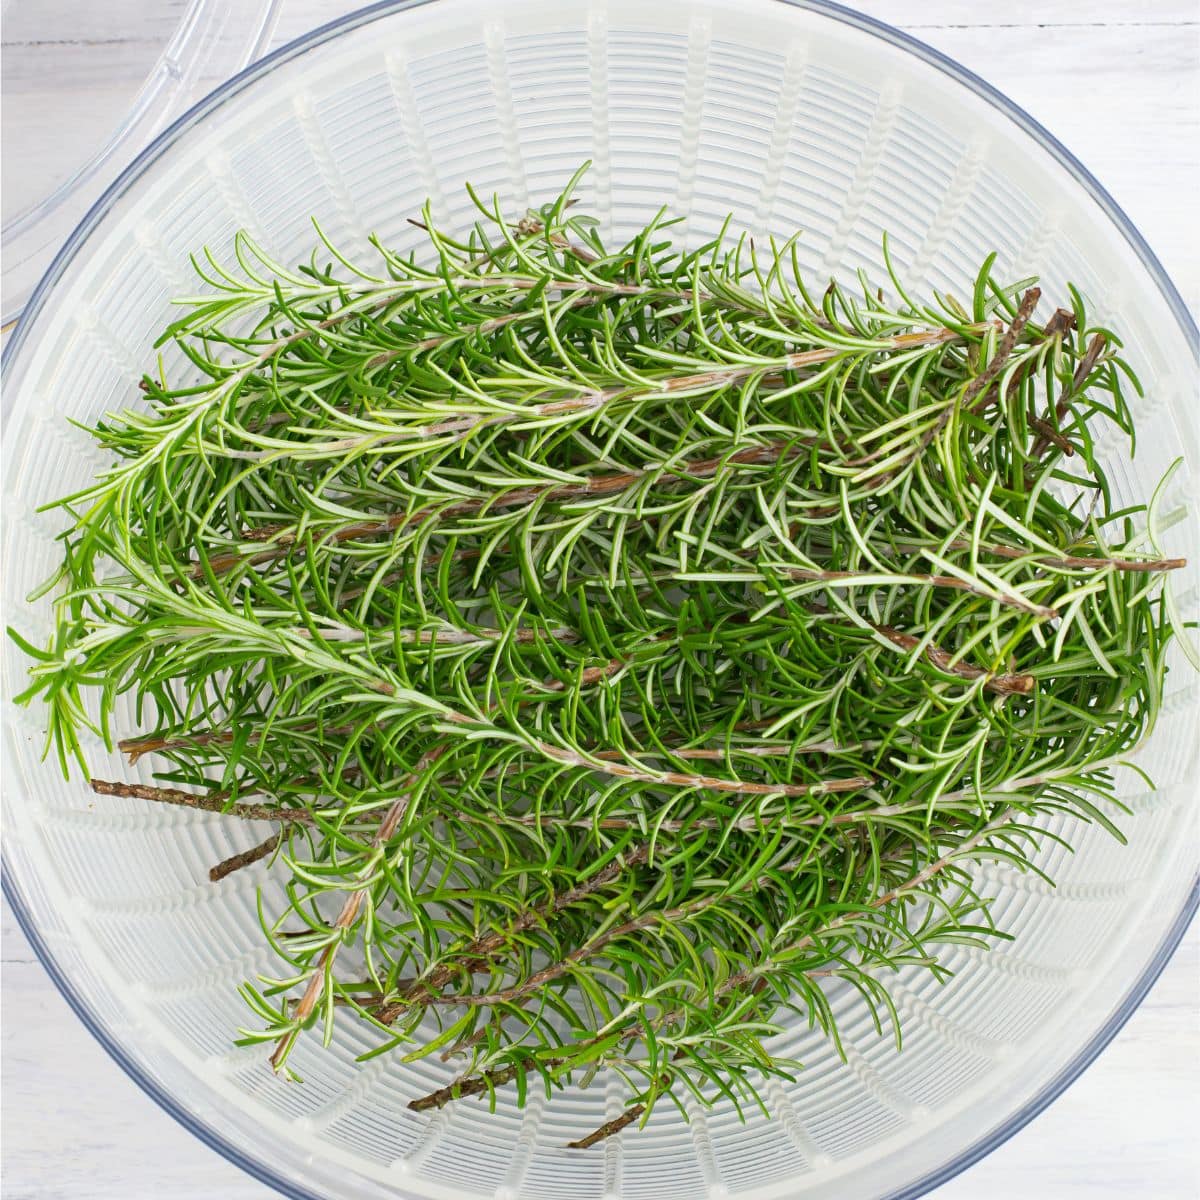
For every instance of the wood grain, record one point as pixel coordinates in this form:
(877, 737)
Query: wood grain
(1125, 101)
(1028, 14)
(1118, 84)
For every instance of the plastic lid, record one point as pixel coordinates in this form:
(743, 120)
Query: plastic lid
(86, 87)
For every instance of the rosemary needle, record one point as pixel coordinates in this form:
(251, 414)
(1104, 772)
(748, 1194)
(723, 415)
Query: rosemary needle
(629, 645)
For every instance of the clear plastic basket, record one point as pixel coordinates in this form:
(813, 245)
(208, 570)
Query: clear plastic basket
(792, 116)
(138, 66)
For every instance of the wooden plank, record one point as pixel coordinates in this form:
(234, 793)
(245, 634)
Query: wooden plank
(1118, 85)
(1125, 102)
(75, 1127)
(1029, 13)
(1127, 1126)
(49, 23)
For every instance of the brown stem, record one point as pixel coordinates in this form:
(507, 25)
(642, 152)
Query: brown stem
(283, 540)
(592, 400)
(426, 990)
(627, 1118)
(1008, 343)
(236, 862)
(531, 227)
(1086, 365)
(1075, 561)
(590, 948)
(591, 675)
(1062, 321)
(213, 802)
(350, 908)
(843, 579)
(720, 753)
(749, 824)
(668, 916)
(609, 1128)
(1050, 434)
(1041, 559)
(474, 1085)
(136, 747)
(1003, 685)
(624, 770)
(481, 329)
(445, 635)
(977, 395)
(217, 802)
(469, 1085)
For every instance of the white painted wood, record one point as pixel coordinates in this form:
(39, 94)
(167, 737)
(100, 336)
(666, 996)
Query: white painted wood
(1027, 14)
(71, 73)
(76, 1128)
(1123, 99)
(1118, 83)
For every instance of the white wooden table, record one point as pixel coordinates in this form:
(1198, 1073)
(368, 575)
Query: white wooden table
(1120, 85)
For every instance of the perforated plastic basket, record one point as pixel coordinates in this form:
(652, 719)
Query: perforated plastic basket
(138, 66)
(793, 116)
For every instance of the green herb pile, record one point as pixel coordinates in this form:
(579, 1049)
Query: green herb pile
(630, 647)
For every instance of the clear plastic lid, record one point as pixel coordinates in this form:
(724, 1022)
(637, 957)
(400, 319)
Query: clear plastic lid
(85, 88)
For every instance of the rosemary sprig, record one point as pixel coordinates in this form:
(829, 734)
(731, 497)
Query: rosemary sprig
(623, 641)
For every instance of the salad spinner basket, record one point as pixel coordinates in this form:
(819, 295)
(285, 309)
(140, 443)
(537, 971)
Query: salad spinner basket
(792, 116)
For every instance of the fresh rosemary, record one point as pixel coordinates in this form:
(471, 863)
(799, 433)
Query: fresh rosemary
(628, 646)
